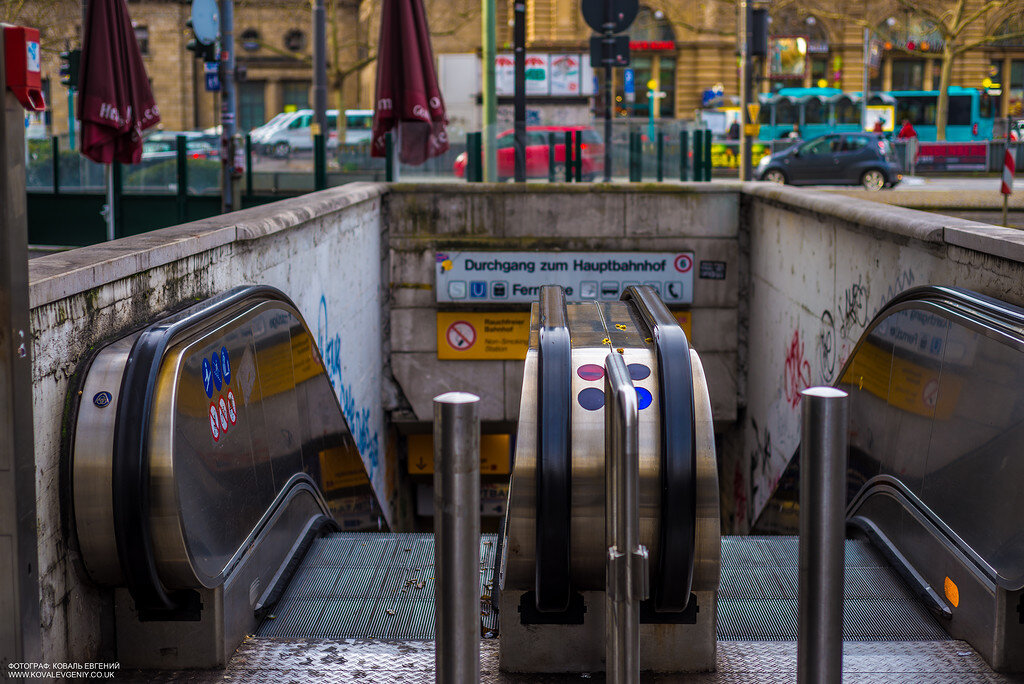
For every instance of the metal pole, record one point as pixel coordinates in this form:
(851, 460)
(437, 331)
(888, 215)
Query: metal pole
(519, 38)
(626, 561)
(490, 98)
(457, 538)
(227, 105)
(744, 37)
(320, 96)
(607, 48)
(55, 157)
(865, 81)
(20, 638)
(684, 155)
(108, 176)
(823, 451)
(181, 166)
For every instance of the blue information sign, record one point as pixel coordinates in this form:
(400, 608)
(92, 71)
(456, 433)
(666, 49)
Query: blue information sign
(627, 82)
(211, 76)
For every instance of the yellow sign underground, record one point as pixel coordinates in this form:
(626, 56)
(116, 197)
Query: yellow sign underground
(463, 335)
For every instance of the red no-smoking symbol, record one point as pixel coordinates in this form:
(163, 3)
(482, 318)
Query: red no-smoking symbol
(222, 415)
(930, 395)
(214, 430)
(232, 409)
(684, 262)
(461, 335)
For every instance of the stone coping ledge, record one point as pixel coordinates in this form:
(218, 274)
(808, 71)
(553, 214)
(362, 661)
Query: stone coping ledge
(57, 276)
(544, 188)
(909, 223)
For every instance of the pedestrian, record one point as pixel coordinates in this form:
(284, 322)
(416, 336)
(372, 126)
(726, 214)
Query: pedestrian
(734, 131)
(906, 131)
(879, 126)
(795, 133)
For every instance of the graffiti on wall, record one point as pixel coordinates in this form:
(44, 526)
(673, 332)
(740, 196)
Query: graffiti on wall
(797, 370)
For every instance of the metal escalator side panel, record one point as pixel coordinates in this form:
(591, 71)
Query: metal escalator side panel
(91, 473)
(677, 535)
(708, 532)
(517, 559)
(221, 460)
(554, 452)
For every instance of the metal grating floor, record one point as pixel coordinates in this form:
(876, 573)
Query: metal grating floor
(757, 597)
(369, 586)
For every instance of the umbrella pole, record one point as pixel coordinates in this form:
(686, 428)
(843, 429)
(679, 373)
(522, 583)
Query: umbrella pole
(109, 175)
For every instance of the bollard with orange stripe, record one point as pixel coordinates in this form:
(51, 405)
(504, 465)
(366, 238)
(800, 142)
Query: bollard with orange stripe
(1007, 184)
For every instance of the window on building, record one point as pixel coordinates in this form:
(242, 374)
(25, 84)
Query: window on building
(250, 38)
(1015, 92)
(295, 94)
(142, 38)
(251, 104)
(295, 40)
(819, 69)
(908, 74)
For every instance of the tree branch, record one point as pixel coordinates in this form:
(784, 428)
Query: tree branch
(987, 39)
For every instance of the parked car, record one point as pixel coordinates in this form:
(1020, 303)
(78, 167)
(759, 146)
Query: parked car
(292, 131)
(835, 159)
(163, 145)
(537, 139)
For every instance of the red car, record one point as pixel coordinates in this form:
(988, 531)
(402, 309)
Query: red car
(537, 153)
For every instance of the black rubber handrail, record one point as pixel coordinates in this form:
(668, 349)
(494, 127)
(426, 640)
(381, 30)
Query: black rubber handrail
(130, 461)
(554, 452)
(678, 514)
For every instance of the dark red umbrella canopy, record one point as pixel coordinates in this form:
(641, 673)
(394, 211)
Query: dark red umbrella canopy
(407, 93)
(115, 103)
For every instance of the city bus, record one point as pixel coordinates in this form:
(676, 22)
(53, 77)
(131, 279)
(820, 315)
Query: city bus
(829, 110)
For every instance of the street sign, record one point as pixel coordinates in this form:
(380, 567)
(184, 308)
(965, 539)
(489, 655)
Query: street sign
(620, 51)
(623, 13)
(628, 86)
(205, 21)
(753, 110)
(211, 77)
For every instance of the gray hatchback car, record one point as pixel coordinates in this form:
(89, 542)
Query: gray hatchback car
(835, 159)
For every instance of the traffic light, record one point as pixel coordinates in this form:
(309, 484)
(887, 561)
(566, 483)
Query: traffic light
(69, 63)
(204, 51)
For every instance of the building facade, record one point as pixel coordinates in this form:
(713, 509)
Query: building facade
(686, 49)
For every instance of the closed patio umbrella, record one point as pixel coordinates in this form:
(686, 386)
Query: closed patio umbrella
(116, 102)
(408, 96)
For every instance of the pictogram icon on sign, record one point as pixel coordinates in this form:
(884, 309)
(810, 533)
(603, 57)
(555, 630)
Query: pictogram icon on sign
(232, 408)
(222, 414)
(930, 395)
(684, 263)
(214, 430)
(461, 335)
(207, 378)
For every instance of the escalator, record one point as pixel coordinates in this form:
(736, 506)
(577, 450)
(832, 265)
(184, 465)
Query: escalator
(218, 491)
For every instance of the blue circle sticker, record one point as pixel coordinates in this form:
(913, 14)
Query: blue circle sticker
(225, 365)
(102, 399)
(207, 378)
(643, 398)
(215, 365)
(591, 398)
(638, 371)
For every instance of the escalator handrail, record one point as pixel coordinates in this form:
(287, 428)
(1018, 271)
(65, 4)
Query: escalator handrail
(678, 512)
(130, 463)
(986, 310)
(554, 452)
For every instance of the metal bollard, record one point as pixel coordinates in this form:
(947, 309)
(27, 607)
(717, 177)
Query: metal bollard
(823, 452)
(707, 155)
(661, 157)
(698, 156)
(551, 158)
(578, 156)
(568, 157)
(684, 155)
(457, 538)
(626, 574)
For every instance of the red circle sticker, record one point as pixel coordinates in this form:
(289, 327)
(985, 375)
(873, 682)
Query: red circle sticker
(222, 415)
(232, 408)
(461, 335)
(930, 395)
(684, 262)
(214, 430)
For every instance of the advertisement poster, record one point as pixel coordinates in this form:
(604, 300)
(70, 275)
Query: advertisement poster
(588, 86)
(565, 74)
(788, 57)
(538, 81)
(504, 75)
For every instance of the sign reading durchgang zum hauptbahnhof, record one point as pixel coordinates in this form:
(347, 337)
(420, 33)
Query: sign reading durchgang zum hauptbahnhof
(473, 277)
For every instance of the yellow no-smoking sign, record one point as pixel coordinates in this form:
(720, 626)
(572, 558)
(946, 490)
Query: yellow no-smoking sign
(478, 336)
(461, 335)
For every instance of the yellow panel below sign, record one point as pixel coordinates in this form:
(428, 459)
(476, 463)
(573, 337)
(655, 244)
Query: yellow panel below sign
(494, 454)
(685, 319)
(476, 336)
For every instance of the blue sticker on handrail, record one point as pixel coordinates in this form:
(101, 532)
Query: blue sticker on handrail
(643, 398)
(225, 365)
(215, 365)
(207, 378)
(102, 399)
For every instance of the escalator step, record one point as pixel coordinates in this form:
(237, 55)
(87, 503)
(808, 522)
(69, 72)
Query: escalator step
(369, 586)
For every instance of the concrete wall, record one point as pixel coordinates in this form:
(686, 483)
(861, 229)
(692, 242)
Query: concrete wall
(820, 267)
(424, 218)
(323, 250)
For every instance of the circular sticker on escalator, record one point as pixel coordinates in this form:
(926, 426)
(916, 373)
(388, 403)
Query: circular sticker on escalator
(215, 366)
(214, 430)
(208, 378)
(222, 414)
(232, 409)
(225, 365)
